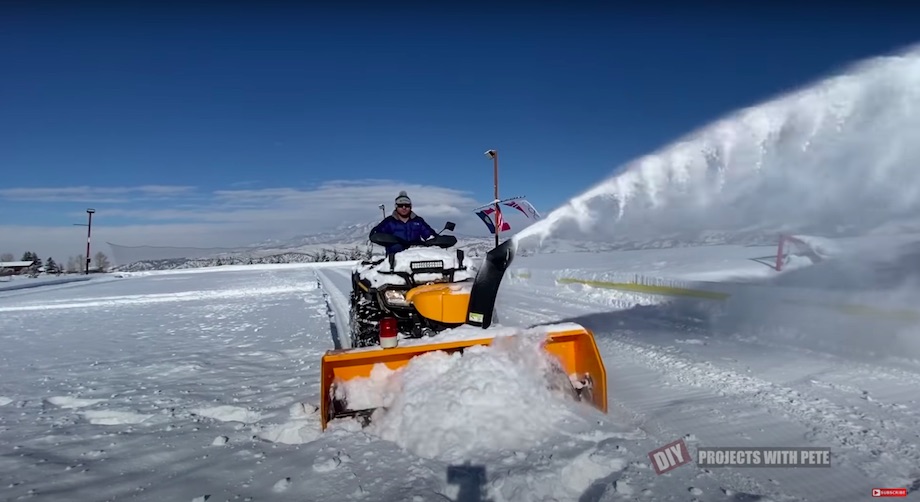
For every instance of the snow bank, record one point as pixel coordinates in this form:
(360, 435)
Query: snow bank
(239, 268)
(12, 285)
(161, 298)
(457, 407)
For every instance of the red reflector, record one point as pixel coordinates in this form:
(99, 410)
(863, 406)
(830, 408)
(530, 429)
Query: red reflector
(388, 332)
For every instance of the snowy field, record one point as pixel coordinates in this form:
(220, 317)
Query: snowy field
(203, 385)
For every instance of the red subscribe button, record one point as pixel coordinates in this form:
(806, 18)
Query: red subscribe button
(889, 492)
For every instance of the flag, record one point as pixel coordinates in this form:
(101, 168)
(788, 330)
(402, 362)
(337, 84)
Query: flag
(484, 215)
(499, 222)
(485, 219)
(522, 205)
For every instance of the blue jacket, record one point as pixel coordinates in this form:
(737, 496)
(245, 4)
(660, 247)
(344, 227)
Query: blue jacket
(415, 229)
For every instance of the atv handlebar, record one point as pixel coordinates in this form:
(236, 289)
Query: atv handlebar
(441, 241)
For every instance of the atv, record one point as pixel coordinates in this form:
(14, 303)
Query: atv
(415, 287)
(574, 354)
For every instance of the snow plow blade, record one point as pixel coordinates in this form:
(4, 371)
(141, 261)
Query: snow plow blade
(572, 345)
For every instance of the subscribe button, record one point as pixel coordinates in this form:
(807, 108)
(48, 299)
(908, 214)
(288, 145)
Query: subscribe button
(889, 492)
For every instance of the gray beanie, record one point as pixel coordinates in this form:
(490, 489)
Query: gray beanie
(403, 198)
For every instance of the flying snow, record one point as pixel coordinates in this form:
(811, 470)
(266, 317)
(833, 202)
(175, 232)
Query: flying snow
(836, 158)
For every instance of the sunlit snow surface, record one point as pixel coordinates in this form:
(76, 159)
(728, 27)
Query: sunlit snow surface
(175, 386)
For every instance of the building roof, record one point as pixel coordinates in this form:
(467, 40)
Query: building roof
(14, 264)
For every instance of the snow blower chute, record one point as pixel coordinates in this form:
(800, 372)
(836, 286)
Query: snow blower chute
(572, 345)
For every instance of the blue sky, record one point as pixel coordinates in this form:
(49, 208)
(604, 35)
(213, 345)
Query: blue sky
(197, 125)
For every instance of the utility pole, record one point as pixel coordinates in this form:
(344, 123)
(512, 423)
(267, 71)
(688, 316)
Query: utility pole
(492, 154)
(89, 232)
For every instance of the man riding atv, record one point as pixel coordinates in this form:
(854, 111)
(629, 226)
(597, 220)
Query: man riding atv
(417, 259)
(403, 224)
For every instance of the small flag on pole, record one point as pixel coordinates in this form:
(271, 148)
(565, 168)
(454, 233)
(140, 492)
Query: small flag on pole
(485, 215)
(499, 222)
(522, 205)
(519, 203)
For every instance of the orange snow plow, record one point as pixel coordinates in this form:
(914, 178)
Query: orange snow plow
(572, 346)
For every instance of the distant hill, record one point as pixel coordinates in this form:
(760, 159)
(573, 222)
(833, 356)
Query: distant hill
(349, 242)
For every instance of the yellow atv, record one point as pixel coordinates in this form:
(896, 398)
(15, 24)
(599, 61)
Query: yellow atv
(437, 304)
(411, 290)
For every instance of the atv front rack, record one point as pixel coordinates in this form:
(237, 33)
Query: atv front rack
(423, 267)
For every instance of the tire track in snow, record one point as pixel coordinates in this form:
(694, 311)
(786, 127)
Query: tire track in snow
(871, 439)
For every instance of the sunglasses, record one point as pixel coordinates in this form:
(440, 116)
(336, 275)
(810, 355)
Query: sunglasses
(404, 205)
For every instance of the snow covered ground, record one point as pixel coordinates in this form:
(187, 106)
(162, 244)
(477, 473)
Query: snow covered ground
(204, 385)
(16, 282)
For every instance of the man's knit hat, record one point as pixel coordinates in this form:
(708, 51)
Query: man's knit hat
(403, 198)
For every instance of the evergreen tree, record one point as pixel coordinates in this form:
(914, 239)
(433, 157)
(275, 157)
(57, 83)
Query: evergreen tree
(50, 266)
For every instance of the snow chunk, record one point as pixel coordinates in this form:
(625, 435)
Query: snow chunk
(590, 466)
(73, 402)
(622, 487)
(282, 485)
(111, 417)
(303, 427)
(228, 413)
(326, 464)
(452, 406)
(5, 400)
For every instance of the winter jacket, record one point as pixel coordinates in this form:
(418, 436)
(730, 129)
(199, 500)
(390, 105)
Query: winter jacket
(416, 229)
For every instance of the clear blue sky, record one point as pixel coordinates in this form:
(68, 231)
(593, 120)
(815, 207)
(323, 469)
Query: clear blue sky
(277, 94)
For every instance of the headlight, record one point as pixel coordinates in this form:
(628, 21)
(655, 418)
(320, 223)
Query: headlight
(395, 297)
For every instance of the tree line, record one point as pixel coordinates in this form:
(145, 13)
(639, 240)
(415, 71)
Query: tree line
(73, 265)
(242, 259)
